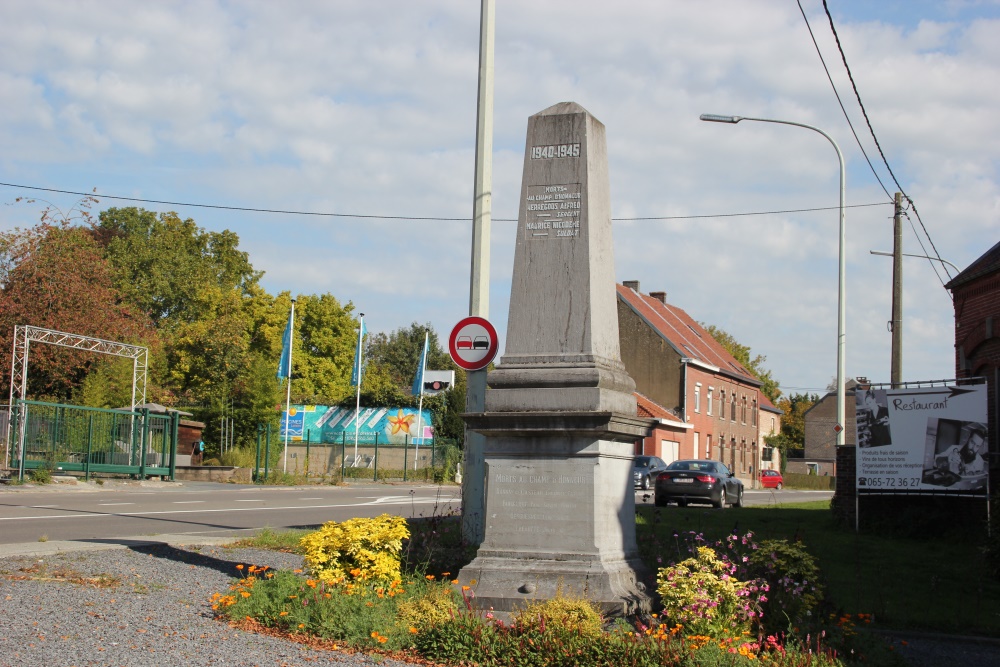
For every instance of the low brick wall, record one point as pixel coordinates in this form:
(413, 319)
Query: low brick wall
(212, 474)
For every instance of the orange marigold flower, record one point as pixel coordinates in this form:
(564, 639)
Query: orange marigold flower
(245, 594)
(454, 581)
(382, 640)
(284, 613)
(413, 630)
(252, 568)
(310, 583)
(301, 625)
(465, 588)
(239, 567)
(374, 634)
(430, 577)
(445, 574)
(356, 572)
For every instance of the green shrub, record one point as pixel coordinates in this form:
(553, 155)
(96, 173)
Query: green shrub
(792, 576)
(576, 615)
(438, 604)
(362, 548)
(796, 480)
(703, 595)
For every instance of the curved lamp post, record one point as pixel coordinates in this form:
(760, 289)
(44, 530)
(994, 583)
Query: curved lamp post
(841, 308)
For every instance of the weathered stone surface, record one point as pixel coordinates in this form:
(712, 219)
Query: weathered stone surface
(560, 419)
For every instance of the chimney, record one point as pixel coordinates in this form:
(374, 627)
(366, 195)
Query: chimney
(659, 296)
(632, 285)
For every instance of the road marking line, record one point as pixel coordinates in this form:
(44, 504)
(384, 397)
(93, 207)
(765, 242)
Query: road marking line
(111, 504)
(254, 500)
(187, 502)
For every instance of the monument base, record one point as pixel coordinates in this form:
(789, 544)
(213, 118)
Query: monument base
(510, 581)
(560, 511)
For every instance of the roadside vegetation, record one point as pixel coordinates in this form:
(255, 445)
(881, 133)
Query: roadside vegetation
(780, 585)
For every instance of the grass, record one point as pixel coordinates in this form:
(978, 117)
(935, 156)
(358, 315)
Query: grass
(933, 583)
(266, 538)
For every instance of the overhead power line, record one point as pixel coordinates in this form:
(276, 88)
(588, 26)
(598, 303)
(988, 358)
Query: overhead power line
(871, 130)
(249, 209)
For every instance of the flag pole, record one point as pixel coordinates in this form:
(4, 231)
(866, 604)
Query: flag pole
(357, 404)
(288, 388)
(420, 408)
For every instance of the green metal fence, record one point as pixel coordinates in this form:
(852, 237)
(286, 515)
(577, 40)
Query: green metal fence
(374, 457)
(72, 438)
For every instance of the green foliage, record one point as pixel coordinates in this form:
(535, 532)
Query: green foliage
(447, 458)
(41, 475)
(569, 614)
(769, 386)
(436, 605)
(793, 580)
(362, 548)
(704, 597)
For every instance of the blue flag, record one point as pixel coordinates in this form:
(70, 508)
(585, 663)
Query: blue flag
(358, 370)
(418, 381)
(285, 364)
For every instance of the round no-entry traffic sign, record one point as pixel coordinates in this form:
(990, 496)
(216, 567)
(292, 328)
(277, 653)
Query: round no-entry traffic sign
(473, 343)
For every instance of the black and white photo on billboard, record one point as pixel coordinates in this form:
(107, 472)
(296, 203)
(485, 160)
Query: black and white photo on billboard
(955, 454)
(872, 413)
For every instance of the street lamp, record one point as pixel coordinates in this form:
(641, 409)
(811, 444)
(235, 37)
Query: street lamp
(841, 307)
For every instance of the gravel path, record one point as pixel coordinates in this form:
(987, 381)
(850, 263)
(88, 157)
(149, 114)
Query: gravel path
(159, 612)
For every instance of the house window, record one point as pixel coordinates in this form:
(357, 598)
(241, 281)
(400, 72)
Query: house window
(708, 400)
(743, 410)
(772, 425)
(722, 404)
(732, 408)
(753, 413)
(697, 397)
(708, 446)
(697, 444)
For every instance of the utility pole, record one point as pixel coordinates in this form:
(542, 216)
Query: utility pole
(474, 475)
(896, 326)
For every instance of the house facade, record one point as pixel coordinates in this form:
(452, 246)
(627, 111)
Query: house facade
(768, 424)
(820, 453)
(680, 368)
(976, 295)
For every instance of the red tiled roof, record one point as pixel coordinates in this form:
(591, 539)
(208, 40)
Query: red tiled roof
(684, 333)
(766, 404)
(646, 407)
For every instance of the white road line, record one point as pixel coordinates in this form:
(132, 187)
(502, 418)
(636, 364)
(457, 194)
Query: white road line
(254, 500)
(187, 502)
(112, 504)
(92, 515)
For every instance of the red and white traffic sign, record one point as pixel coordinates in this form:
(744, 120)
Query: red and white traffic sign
(473, 343)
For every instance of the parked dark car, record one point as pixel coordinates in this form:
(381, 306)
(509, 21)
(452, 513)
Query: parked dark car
(698, 481)
(771, 479)
(645, 469)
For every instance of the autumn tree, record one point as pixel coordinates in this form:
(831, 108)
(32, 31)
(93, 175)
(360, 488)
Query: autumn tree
(769, 386)
(55, 276)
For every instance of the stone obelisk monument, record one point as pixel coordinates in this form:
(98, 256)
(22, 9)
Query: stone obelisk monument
(560, 419)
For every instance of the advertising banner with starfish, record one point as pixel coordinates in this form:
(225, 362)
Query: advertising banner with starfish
(329, 424)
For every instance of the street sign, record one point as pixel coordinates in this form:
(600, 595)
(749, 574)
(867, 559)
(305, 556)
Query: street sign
(473, 343)
(837, 428)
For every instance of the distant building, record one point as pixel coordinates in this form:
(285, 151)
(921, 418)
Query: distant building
(768, 424)
(976, 295)
(820, 455)
(708, 402)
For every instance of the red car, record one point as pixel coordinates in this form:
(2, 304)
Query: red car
(771, 479)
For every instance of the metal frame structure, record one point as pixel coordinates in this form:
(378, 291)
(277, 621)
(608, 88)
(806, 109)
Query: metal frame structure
(24, 334)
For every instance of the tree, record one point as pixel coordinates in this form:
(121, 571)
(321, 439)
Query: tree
(164, 265)
(769, 386)
(793, 424)
(54, 276)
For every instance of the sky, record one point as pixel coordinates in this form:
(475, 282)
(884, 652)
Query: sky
(368, 108)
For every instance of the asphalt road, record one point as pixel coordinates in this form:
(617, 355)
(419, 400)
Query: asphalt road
(199, 509)
(90, 512)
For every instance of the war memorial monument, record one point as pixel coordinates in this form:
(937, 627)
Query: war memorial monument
(560, 419)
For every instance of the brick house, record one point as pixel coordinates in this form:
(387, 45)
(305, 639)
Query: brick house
(976, 295)
(820, 455)
(680, 368)
(768, 423)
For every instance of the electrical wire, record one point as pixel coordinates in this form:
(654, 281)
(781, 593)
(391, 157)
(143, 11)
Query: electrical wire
(840, 101)
(864, 112)
(406, 217)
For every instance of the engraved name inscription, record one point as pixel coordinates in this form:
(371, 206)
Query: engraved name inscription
(553, 211)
